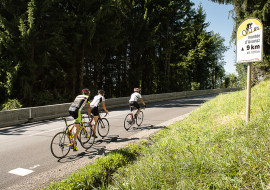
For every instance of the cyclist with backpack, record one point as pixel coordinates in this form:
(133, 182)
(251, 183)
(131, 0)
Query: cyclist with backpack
(75, 112)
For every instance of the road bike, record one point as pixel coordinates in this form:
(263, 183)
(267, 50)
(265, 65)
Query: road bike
(130, 119)
(103, 125)
(61, 142)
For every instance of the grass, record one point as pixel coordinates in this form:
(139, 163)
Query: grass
(213, 148)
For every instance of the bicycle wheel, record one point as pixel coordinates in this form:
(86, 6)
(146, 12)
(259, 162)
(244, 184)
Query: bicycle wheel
(103, 127)
(60, 145)
(86, 137)
(139, 118)
(128, 122)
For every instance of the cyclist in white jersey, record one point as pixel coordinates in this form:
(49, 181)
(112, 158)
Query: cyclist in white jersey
(94, 107)
(133, 101)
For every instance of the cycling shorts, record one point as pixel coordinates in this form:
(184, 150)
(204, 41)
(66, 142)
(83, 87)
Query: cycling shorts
(134, 104)
(76, 114)
(94, 111)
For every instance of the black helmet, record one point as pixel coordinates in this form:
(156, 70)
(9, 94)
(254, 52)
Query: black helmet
(101, 91)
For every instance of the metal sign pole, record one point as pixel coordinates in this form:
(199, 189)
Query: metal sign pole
(248, 91)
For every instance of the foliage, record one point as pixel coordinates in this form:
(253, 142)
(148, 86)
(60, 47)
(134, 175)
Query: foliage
(231, 81)
(195, 86)
(244, 9)
(11, 104)
(52, 49)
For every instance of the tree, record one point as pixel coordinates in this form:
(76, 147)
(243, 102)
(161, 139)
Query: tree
(258, 9)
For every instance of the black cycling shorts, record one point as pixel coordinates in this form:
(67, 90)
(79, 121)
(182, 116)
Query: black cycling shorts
(94, 111)
(74, 113)
(134, 104)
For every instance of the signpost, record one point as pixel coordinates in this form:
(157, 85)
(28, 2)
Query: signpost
(249, 48)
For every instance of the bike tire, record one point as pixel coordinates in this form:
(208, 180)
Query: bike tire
(60, 145)
(127, 122)
(103, 127)
(139, 118)
(86, 137)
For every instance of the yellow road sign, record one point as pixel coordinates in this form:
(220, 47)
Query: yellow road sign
(249, 46)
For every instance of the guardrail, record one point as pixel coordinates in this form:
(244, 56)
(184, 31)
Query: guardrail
(39, 113)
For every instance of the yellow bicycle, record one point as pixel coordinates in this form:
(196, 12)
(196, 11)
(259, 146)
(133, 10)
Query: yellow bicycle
(61, 142)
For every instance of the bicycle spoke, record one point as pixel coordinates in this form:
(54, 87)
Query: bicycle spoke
(86, 137)
(128, 122)
(139, 118)
(60, 145)
(103, 127)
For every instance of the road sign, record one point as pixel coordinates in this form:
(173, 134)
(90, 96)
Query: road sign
(249, 46)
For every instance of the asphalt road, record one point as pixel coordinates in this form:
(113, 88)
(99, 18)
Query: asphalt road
(25, 149)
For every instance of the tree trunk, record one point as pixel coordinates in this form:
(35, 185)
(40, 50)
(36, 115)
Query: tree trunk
(82, 66)
(74, 73)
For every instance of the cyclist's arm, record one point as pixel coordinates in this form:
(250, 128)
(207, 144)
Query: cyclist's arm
(142, 101)
(104, 107)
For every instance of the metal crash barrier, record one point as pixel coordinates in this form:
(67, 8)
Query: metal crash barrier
(39, 113)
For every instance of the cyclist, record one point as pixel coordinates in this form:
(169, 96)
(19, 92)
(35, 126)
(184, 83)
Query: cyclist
(133, 101)
(94, 107)
(75, 112)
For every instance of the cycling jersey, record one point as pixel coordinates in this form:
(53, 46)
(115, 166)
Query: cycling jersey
(77, 106)
(79, 102)
(134, 97)
(97, 100)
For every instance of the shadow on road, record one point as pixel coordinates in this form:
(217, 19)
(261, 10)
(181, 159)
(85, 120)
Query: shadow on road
(20, 129)
(99, 147)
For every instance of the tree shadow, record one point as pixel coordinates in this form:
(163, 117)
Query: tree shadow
(98, 149)
(20, 129)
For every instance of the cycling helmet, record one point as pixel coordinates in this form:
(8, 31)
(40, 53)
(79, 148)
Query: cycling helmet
(101, 91)
(85, 91)
(136, 89)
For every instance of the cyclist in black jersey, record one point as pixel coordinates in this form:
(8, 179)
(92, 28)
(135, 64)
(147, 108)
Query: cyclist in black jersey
(75, 112)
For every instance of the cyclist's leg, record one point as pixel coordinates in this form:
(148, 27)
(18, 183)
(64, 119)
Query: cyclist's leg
(138, 111)
(95, 126)
(77, 122)
(131, 109)
(95, 114)
(138, 107)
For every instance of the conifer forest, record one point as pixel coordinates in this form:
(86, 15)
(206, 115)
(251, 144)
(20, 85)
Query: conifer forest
(51, 49)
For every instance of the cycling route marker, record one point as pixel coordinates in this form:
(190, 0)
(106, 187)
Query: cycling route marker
(249, 41)
(249, 48)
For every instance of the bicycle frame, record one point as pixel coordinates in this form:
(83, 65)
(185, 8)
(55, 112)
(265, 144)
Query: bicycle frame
(67, 130)
(92, 118)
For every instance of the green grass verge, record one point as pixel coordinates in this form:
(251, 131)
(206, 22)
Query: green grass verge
(213, 148)
(99, 173)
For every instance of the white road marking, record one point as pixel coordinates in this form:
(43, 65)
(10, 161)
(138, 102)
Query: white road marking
(115, 115)
(34, 166)
(45, 131)
(21, 171)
